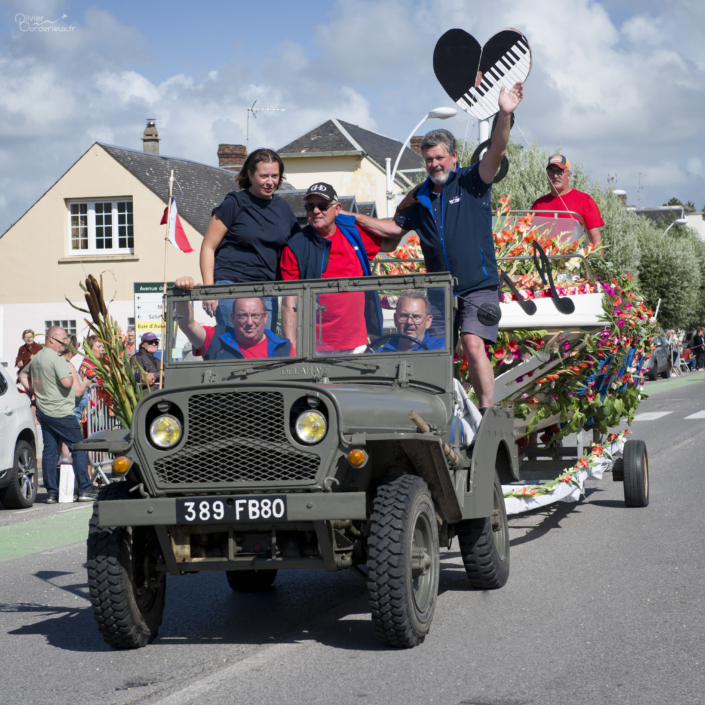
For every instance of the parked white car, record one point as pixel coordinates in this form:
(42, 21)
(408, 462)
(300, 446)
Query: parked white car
(18, 446)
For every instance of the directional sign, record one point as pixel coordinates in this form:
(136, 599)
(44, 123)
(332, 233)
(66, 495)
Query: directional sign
(148, 306)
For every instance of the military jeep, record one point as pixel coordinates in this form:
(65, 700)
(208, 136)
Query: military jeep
(337, 454)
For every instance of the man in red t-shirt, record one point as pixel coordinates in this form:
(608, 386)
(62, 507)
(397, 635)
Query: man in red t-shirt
(329, 247)
(565, 198)
(248, 337)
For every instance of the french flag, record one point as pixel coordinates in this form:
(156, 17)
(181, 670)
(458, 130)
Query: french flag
(177, 236)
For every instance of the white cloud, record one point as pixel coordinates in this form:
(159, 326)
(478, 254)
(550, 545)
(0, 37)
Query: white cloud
(624, 99)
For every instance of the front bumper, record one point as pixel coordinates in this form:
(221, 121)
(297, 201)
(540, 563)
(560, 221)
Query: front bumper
(300, 507)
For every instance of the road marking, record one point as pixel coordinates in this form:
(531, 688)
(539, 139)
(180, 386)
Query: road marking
(73, 509)
(698, 415)
(651, 415)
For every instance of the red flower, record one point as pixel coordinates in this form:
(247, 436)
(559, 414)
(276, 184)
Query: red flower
(590, 394)
(583, 462)
(499, 353)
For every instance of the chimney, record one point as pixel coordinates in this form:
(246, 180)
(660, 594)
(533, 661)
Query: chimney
(415, 144)
(621, 195)
(231, 156)
(150, 139)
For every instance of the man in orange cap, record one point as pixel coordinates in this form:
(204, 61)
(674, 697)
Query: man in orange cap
(565, 198)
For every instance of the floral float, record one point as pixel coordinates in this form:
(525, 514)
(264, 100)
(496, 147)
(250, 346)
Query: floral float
(597, 380)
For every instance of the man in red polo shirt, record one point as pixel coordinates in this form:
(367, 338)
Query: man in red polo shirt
(329, 247)
(565, 198)
(248, 338)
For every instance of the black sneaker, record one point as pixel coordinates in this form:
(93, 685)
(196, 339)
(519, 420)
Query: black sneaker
(90, 496)
(52, 499)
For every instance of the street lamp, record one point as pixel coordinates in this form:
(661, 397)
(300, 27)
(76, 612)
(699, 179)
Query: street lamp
(440, 114)
(678, 221)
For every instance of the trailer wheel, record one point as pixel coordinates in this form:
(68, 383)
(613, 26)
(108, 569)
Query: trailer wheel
(403, 561)
(126, 589)
(484, 545)
(250, 580)
(636, 474)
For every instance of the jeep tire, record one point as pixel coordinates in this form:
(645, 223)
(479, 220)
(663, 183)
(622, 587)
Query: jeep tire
(403, 561)
(484, 545)
(127, 590)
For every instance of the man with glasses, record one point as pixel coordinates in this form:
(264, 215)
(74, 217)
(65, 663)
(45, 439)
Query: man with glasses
(248, 338)
(413, 318)
(329, 247)
(56, 384)
(145, 359)
(565, 198)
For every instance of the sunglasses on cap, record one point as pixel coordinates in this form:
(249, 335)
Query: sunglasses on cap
(321, 205)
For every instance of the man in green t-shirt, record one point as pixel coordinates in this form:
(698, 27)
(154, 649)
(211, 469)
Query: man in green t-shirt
(54, 383)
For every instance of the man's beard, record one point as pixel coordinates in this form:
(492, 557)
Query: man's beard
(439, 177)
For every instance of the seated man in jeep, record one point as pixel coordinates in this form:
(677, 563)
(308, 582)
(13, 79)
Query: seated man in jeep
(247, 338)
(413, 318)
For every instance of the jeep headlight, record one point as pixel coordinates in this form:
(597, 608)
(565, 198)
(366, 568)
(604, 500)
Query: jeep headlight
(165, 431)
(311, 426)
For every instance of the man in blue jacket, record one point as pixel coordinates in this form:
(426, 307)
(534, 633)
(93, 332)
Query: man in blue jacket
(452, 216)
(413, 318)
(248, 336)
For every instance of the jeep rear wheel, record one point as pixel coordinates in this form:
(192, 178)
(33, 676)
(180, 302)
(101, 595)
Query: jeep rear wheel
(484, 545)
(403, 561)
(250, 580)
(127, 589)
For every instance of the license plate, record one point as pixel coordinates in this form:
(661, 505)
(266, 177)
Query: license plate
(231, 510)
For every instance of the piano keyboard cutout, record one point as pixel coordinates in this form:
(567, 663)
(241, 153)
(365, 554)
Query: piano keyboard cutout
(474, 82)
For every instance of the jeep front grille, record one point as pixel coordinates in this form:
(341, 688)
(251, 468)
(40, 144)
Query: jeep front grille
(237, 437)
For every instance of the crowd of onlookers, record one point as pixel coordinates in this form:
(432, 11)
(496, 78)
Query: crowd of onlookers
(687, 351)
(60, 393)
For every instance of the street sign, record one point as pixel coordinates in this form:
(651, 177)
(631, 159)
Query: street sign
(148, 306)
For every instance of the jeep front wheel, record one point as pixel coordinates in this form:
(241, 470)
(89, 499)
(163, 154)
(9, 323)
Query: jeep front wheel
(127, 589)
(403, 561)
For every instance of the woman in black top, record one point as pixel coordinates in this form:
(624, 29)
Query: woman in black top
(247, 232)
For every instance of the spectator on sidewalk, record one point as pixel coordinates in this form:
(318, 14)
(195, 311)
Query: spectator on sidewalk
(145, 359)
(698, 348)
(55, 384)
(28, 350)
(130, 341)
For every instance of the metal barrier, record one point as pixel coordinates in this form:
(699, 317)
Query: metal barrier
(99, 418)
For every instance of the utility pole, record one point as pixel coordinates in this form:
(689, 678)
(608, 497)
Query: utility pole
(254, 112)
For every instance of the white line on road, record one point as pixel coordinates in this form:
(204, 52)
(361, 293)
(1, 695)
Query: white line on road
(698, 415)
(651, 415)
(73, 509)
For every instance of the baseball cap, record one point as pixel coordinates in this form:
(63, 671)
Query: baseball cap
(323, 190)
(146, 337)
(558, 160)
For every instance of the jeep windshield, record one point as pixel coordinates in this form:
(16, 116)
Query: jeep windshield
(350, 324)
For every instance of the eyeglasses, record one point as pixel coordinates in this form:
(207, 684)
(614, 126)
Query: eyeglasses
(256, 317)
(321, 205)
(151, 342)
(414, 317)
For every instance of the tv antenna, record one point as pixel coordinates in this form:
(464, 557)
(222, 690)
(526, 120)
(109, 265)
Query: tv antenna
(612, 180)
(254, 112)
(639, 190)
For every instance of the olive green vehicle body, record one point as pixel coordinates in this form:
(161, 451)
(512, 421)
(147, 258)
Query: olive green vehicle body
(247, 408)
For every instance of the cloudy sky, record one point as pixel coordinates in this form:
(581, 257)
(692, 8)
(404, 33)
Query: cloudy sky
(620, 84)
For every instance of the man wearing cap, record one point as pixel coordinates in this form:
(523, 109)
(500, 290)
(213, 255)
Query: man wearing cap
(247, 338)
(452, 215)
(144, 358)
(329, 247)
(565, 198)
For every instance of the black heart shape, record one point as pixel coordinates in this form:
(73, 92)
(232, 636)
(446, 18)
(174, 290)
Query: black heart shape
(472, 75)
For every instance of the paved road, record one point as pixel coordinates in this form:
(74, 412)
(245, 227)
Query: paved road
(604, 605)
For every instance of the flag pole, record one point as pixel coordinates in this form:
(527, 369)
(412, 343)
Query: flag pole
(166, 258)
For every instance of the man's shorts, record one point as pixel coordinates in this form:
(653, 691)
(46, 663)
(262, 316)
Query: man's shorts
(466, 320)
